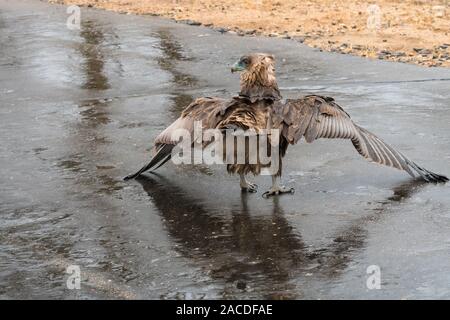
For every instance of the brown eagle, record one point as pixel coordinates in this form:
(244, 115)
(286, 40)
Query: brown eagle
(259, 107)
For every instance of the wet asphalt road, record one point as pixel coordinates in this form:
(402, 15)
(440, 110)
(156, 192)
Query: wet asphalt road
(79, 110)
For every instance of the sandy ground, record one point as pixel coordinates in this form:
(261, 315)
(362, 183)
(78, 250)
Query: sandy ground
(413, 31)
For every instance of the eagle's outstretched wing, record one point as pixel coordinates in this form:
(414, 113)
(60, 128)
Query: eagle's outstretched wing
(315, 117)
(210, 111)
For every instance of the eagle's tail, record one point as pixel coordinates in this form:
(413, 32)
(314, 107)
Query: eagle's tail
(163, 154)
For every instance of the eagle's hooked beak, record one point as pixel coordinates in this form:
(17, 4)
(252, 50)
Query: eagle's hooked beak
(237, 67)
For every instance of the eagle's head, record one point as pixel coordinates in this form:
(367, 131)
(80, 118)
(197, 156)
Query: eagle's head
(257, 76)
(255, 62)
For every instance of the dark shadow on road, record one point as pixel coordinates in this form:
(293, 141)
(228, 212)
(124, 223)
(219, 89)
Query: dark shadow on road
(334, 259)
(90, 49)
(172, 53)
(248, 250)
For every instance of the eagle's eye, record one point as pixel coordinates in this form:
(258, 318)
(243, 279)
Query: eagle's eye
(245, 61)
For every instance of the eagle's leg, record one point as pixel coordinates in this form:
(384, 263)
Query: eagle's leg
(276, 188)
(246, 185)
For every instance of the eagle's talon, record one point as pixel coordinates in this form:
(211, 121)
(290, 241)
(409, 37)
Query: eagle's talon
(250, 187)
(277, 191)
(247, 186)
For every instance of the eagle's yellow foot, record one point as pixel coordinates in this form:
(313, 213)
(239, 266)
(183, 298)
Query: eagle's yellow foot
(248, 186)
(277, 190)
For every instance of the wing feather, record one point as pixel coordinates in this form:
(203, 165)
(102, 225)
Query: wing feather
(207, 110)
(315, 117)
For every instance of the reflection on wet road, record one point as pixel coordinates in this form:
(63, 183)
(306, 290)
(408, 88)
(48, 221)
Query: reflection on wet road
(249, 251)
(79, 110)
(94, 60)
(241, 250)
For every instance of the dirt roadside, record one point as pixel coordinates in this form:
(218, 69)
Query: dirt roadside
(411, 31)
